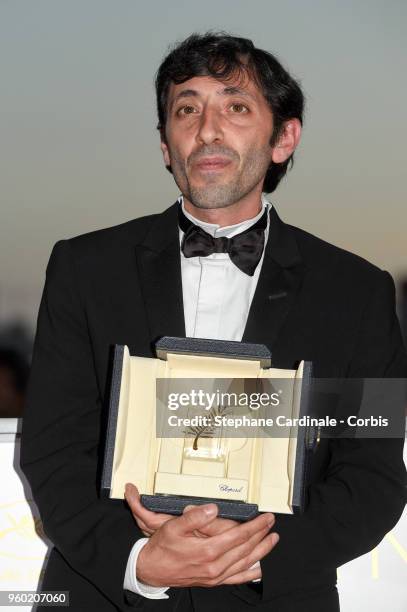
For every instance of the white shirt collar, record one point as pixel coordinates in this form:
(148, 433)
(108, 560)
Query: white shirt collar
(228, 230)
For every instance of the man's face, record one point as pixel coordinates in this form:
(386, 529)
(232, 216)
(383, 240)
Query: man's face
(217, 140)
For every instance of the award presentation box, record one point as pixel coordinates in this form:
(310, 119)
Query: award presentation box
(242, 474)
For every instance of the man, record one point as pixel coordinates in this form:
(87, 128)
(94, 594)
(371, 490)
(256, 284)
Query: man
(230, 119)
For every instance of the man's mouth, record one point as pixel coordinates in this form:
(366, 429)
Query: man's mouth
(212, 164)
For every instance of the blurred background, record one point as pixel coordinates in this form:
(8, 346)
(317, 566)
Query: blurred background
(79, 149)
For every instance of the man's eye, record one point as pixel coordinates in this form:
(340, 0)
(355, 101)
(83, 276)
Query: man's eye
(186, 110)
(239, 108)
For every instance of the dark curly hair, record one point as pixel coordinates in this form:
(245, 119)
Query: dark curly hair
(223, 56)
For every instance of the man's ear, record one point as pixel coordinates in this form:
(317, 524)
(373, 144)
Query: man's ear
(164, 149)
(287, 142)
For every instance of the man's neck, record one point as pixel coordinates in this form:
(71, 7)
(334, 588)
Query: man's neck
(240, 211)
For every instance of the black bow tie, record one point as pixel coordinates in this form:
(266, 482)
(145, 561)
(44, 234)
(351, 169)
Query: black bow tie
(245, 249)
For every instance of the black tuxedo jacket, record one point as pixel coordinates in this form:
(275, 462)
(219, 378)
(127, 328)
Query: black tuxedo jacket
(123, 286)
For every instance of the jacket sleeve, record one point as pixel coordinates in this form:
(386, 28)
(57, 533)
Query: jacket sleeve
(363, 492)
(60, 440)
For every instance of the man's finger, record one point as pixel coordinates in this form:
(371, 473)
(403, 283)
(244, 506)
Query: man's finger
(241, 534)
(235, 561)
(218, 526)
(153, 520)
(243, 577)
(195, 518)
(144, 528)
(131, 492)
(198, 534)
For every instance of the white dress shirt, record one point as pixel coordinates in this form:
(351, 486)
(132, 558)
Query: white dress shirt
(217, 296)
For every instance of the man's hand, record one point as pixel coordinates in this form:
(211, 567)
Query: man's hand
(175, 556)
(149, 521)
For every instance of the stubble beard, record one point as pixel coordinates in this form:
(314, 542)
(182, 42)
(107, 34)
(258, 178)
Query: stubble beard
(214, 193)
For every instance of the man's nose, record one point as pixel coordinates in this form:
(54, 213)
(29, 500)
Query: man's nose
(210, 129)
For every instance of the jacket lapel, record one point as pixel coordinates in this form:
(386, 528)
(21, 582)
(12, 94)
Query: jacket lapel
(279, 282)
(159, 268)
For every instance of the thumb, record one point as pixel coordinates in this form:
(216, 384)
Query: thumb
(131, 492)
(196, 517)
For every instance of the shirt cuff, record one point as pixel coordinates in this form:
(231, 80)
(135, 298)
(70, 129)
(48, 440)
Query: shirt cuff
(130, 581)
